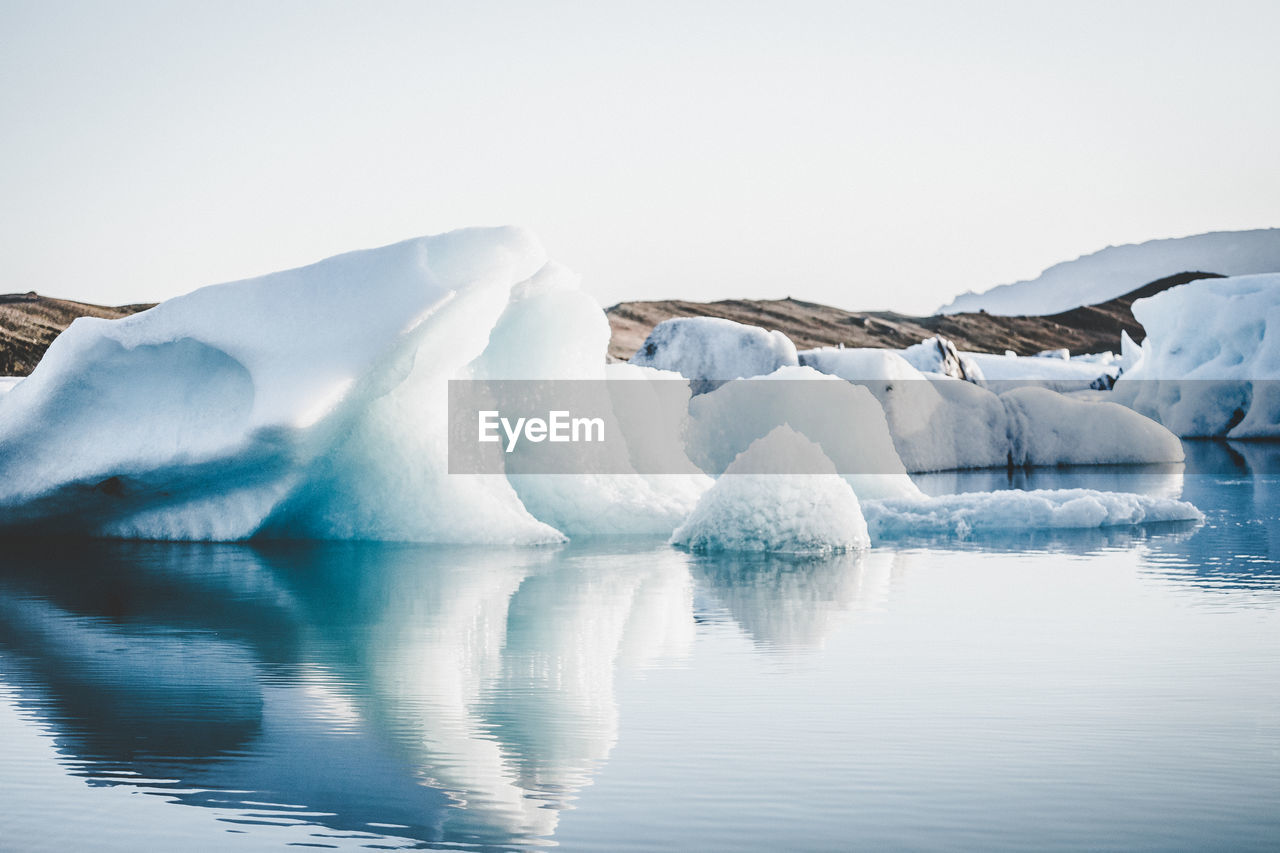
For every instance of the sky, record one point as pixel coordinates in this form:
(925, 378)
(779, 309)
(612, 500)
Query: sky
(866, 155)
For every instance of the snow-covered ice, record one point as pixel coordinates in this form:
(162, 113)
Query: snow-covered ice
(1210, 365)
(845, 420)
(761, 504)
(709, 350)
(939, 424)
(1117, 270)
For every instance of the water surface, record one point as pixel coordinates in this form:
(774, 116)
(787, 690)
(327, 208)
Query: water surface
(1114, 689)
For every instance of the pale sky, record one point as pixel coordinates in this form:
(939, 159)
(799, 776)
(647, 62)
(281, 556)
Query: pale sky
(884, 155)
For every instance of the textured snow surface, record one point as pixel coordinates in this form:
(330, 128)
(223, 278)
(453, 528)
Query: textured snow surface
(759, 505)
(709, 350)
(1116, 270)
(1210, 365)
(967, 514)
(939, 424)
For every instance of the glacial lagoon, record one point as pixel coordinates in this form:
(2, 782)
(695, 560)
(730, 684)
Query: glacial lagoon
(1053, 690)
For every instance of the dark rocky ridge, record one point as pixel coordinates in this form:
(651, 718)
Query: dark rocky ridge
(1091, 328)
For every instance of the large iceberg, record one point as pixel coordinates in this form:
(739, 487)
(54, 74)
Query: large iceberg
(304, 403)
(1210, 365)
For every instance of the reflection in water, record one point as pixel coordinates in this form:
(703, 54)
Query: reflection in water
(1238, 490)
(792, 602)
(450, 695)
(458, 695)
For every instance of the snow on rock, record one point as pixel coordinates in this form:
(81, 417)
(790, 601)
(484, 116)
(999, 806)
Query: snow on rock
(710, 350)
(762, 504)
(964, 515)
(309, 402)
(7, 383)
(1210, 365)
(1116, 270)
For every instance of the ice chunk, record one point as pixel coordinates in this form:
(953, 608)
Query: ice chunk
(762, 504)
(7, 383)
(1055, 372)
(1211, 362)
(710, 350)
(304, 403)
(531, 340)
(944, 424)
(966, 514)
(1047, 428)
(845, 420)
(939, 355)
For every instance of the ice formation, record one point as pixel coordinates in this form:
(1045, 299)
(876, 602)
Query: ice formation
(1116, 270)
(845, 420)
(965, 514)
(709, 350)
(312, 403)
(761, 504)
(939, 355)
(305, 403)
(1210, 365)
(1057, 373)
(942, 423)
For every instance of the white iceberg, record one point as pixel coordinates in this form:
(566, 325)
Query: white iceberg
(940, 424)
(1059, 373)
(843, 419)
(1210, 365)
(762, 504)
(306, 403)
(710, 350)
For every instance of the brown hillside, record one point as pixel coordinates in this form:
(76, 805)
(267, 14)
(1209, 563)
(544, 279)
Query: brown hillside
(1092, 328)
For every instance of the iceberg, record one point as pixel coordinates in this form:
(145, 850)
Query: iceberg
(762, 504)
(1210, 365)
(939, 423)
(303, 403)
(843, 419)
(710, 350)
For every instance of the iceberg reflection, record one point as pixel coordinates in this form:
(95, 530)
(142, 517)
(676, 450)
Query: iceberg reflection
(457, 695)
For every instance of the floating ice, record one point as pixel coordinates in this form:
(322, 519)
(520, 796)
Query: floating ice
(942, 424)
(709, 350)
(845, 420)
(303, 403)
(762, 504)
(1211, 362)
(967, 514)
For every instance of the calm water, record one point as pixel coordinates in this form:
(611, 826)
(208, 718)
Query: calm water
(1109, 690)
